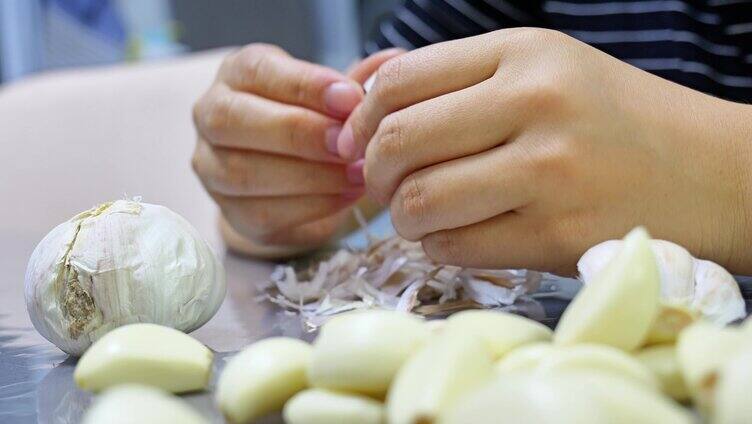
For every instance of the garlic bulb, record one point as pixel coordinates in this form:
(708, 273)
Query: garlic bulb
(696, 284)
(121, 262)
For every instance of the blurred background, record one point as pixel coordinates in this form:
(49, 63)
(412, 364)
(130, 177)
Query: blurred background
(40, 35)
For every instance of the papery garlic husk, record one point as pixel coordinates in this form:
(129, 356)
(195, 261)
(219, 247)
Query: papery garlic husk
(119, 263)
(687, 283)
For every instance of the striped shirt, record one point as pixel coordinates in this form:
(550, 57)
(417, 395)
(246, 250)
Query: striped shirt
(702, 44)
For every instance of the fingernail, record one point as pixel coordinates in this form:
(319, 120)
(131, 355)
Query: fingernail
(332, 134)
(355, 172)
(346, 143)
(341, 98)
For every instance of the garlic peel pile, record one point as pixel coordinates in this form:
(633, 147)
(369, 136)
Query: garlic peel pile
(686, 281)
(119, 263)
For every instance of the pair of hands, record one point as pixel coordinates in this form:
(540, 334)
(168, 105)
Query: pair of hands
(516, 148)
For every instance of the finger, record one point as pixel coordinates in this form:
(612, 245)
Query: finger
(511, 240)
(366, 67)
(462, 192)
(268, 73)
(414, 77)
(257, 216)
(454, 125)
(312, 234)
(241, 120)
(248, 173)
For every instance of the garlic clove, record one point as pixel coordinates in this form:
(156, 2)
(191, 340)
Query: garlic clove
(524, 398)
(501, 331)
(731, 400)
(146, 354)
(319, 406)
(622, 401)
(526, 358)
(362, 351)
(619, 307)
(120, 263)
(436, 376)
(137, 404)
(600, 359)
(701, 350)
(705, 288)
(662, 361)
(718, 297)
(262, 377)
(671, 320)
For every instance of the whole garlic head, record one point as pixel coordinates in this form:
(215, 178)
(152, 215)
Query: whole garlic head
(118, 263)
(686, 281)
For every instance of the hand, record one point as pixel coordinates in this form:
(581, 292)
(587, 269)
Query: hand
(266, 149)
(524, 147)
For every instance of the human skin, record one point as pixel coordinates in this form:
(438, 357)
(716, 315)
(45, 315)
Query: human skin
(266, 149)
(521, 148)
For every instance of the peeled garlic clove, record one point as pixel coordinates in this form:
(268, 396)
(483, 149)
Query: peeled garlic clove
(136, 404)
(262, 377)
(362, 351)
(147, 354)
(524, 398)
(662, 361)
(671, 320)
(701, 350)
(526, 358)
(618, 308)
(501, 331)
(702, 286)
(732, 405)
(319, 406)
(600, 359)
(717, 297)
(120, 263)
(622, 401)
(675, 266)
(436, 376)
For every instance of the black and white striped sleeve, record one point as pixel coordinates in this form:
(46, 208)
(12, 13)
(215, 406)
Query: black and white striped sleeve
(418, 23)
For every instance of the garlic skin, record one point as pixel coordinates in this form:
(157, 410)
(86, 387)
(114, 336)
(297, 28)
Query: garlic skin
(119, 263)
(696, 284)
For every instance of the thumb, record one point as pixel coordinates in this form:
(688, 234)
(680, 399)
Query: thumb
(366, 67)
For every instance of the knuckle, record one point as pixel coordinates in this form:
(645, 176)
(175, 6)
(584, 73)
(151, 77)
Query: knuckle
(441, 247)
(388, 142)
(388, 78)
(556, 161)
(409, 207)
(298, 130)
(214, 114)
(252, 61)
(545, 94)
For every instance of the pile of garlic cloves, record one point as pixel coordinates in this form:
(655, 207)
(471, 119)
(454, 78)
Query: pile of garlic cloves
(616, 356)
